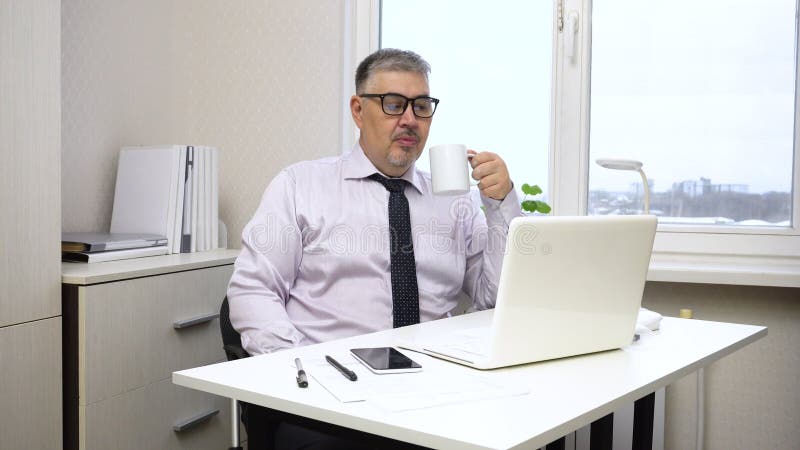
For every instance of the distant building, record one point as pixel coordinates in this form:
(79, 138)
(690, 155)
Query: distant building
(695, 188)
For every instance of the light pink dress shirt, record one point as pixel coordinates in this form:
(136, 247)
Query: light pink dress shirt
(314, 264)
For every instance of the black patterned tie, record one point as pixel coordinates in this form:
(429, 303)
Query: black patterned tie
(405, 294)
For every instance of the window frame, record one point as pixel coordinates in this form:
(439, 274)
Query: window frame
(681, 253)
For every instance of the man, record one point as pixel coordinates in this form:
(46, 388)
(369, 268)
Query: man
(323, 258)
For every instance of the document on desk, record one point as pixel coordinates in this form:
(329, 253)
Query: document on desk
(442, 385)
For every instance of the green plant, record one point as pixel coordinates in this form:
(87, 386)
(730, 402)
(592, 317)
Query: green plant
(533, 205)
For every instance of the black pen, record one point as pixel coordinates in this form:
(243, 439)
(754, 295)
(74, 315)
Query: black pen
(349, 374)
(302, 380)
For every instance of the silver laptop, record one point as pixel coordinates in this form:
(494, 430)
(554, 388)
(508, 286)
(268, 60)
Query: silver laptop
(570, 285)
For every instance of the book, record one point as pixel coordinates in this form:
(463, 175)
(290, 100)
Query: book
(188, 189)
(199, 237)
(113, 255)
(180, 192)
(145, 195)
(196, 180)
(207, 201)
(175, 163)
(214, 199)
(98, 242)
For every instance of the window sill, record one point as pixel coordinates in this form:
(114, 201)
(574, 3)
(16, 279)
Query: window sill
(724, 269)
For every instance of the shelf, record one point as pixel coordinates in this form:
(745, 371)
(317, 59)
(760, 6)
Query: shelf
(104, 272)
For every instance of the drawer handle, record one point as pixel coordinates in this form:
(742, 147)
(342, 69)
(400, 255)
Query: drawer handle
(194, 421)
(186, 323)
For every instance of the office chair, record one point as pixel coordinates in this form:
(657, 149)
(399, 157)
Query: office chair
(258, 423)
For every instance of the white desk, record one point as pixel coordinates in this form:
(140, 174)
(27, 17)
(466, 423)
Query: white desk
(564, 394)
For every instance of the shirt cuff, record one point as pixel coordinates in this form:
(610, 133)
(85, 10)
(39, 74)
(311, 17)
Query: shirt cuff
(500, 212)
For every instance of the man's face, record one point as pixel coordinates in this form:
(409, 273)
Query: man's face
(392, 143)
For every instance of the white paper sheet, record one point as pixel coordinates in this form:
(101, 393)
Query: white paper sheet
(440, 385)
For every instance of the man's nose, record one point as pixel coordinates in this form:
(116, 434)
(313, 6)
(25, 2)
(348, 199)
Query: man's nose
(408, 119)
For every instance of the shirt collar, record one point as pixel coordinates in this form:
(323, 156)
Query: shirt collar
(358, 166)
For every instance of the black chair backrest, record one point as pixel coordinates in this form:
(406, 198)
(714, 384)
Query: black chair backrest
(231, 340)
(258, 421)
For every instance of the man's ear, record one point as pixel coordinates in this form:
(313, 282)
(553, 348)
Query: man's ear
(356, 109)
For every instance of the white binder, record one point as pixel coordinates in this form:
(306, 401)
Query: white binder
(145, 195)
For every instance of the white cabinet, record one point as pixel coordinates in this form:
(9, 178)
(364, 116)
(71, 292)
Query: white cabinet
(30, 369)
(128, 326)
(30, 224)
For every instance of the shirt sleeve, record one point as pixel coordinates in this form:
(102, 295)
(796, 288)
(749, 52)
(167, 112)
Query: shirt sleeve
(266, 270)
(485, 246)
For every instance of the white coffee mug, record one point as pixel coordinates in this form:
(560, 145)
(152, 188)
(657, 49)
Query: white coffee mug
(449, 169)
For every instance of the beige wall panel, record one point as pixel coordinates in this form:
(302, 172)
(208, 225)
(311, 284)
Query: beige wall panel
(752, 397)
(30, 139)
(117, 88)
(126, 331)
(30, 399)
(265, 87)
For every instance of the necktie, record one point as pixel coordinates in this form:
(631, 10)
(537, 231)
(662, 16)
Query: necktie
(405, 294)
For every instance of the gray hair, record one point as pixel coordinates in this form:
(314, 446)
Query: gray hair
(390, 59)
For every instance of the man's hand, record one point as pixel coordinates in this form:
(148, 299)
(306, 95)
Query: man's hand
(492, 174)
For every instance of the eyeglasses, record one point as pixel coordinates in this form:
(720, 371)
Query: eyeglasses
(396, 104)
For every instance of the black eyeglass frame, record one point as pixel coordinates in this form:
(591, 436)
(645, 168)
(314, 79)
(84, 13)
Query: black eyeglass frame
(409, 101)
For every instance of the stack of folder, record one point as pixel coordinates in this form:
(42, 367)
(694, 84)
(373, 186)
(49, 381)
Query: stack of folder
(169, 190)
(97, 247)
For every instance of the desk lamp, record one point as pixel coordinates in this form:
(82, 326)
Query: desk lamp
(629, 164)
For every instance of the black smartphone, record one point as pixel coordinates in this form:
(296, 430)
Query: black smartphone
(383, 360)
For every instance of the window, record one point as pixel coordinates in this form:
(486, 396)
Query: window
(704, 97)
(703, 94)
(494, 85)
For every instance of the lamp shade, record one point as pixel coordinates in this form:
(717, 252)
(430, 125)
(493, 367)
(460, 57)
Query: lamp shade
(629, 164)
(620, 164)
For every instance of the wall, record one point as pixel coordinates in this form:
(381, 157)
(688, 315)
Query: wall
(260, 80)
(264, 86)
(752, 398)
(118, 88)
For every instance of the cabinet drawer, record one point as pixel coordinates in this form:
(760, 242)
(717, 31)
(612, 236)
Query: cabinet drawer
(144, 419)
(30, 399)
(126, 330)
